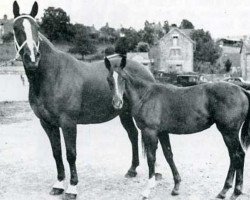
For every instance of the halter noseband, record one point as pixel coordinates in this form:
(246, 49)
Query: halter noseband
(17, 46)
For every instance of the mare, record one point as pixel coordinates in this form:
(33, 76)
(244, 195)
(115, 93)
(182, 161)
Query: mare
(162, 109)
(64, 92)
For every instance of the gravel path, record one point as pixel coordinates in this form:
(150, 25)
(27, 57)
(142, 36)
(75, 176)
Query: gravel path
(27, 168)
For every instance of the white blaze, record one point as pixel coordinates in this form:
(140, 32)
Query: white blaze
(29, 38)
(115, 76)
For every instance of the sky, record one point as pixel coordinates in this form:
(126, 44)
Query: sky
(221, 18)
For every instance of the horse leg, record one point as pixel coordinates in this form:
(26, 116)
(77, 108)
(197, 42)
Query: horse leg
(239, 159)
(55, 141)
(237, 156)
(69, 133)
(166, 147)
(128, 124)
(150, 140)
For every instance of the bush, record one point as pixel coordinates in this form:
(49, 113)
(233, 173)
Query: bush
(109, 51)
(142, 47)
(8, 37)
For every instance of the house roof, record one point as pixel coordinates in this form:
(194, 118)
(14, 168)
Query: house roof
(185, 32)
(141, 54)
(139, 57)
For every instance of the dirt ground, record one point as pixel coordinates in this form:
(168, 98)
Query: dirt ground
(27, 168)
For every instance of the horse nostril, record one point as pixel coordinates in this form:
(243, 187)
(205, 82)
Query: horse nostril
(113, 101)
(26, 57)
(38, 54)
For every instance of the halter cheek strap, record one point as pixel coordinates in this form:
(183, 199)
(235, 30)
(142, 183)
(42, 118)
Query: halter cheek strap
(20, 47)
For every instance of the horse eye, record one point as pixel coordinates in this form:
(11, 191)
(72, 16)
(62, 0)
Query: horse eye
(109, 81)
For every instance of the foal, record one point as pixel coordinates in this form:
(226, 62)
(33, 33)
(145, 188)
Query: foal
(162, 109)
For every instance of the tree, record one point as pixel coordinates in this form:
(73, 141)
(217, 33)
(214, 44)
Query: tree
(166, 26)
(109, 50)
(206, 49)
(108, 34)
(185, 24)
(228, 65)
(148, 33)
(142, 47)
(56, 24)
(82, 42)
(132, 37)
(121, 45)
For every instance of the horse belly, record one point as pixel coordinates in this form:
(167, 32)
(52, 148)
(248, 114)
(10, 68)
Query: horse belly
(187, 121)
(97, 113)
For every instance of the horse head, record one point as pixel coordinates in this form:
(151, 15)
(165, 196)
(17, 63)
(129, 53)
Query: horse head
(26, 36)
(116, 80)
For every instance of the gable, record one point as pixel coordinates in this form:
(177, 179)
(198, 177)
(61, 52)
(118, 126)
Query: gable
(174, 31)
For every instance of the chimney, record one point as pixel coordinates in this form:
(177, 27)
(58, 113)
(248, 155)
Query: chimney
(5, 17)
(173, 26)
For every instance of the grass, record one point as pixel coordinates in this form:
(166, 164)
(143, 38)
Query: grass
(14, 112)
(7, 52)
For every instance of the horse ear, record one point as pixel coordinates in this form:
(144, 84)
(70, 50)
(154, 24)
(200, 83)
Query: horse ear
(123, 61)
(107, 63)
(16, 9)
(34, 10)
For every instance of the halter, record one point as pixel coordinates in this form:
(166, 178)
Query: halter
(17, 46)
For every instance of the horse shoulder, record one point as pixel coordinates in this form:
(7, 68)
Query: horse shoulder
(151, 109)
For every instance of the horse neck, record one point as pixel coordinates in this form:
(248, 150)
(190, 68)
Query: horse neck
(137, 90)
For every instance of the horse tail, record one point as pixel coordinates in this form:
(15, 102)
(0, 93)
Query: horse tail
(245, 131)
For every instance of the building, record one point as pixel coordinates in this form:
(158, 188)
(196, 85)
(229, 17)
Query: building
(141, 57)
(245, 59)
(175, 51)
(6, 26)
(230, 50)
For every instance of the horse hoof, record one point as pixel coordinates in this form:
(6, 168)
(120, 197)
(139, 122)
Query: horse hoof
(235, 196)
(69, 196)
(158, 176)
(131, 174)
(56, 191)
(221, 196)
(175, 192)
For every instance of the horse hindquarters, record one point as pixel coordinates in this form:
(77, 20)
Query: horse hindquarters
(245, 132)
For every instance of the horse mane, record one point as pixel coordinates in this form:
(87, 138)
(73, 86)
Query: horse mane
(46, 40)
(145, 86)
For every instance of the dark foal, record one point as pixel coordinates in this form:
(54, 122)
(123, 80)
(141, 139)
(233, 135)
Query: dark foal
(162, 109)
(65, 92)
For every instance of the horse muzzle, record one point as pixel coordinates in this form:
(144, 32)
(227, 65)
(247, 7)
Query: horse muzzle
(117, 103)
(29, 64)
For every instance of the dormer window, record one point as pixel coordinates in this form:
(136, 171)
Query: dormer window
(175, 40)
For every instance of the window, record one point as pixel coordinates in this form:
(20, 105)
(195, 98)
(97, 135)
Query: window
(175, 40)
(175, 53)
